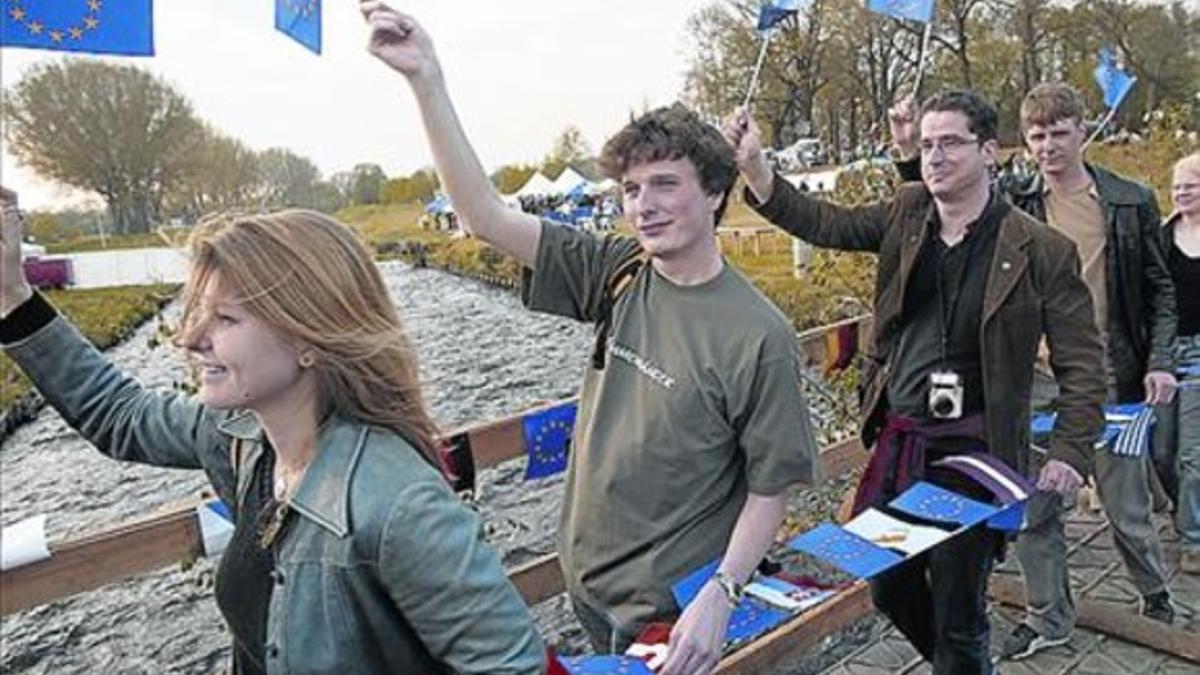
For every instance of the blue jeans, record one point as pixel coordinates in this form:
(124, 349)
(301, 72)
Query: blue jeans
(1177, 446)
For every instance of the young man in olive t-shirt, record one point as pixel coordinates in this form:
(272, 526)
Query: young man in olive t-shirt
(688, 436)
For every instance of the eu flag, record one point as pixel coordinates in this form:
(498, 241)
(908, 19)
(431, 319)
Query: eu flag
(773, 11)
(547, 440)
(97, 26)
(915, 10)
(301, 21)
(609, 664)
(848, 551)
(1114, 82)
(752, 618)
(931, 502)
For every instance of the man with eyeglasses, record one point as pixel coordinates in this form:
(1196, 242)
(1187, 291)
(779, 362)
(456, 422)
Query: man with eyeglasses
(1114, 222)
(966, 287)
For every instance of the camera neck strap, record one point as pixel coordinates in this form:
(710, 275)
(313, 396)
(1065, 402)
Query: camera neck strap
(946, 313)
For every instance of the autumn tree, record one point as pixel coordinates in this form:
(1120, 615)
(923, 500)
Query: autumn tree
(569, 148)
(508, 179)
(285, 179)
(115, 130)
(418, 187)
(221, 174)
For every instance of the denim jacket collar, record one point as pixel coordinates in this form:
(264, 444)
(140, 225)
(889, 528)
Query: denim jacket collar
(243, 425)
(324, 493)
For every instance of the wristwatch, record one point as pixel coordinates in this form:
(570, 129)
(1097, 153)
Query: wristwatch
(733, 590)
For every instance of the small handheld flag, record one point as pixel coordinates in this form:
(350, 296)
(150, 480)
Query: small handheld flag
(122, 27)
(1115, 84)
(548, 440)
(301, 21)
(920, 11)
(769, 14)
(913, 10)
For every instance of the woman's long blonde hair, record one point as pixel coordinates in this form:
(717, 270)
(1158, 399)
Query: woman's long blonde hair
(313, 282)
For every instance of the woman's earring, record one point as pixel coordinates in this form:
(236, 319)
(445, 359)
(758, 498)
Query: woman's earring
(307, 360)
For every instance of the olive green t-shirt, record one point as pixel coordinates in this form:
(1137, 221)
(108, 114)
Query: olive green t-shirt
(699, 403)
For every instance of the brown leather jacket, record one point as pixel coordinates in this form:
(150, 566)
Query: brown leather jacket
(1141, 296)
(1033, 289)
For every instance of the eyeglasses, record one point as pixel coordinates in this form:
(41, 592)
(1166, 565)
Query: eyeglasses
(947, 144)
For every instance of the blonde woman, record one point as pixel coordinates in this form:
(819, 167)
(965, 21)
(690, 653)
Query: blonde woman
(350, 553)
(1178, 445)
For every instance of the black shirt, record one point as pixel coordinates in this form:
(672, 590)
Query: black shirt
(1185, 272)
(947, 286)
(244, 577)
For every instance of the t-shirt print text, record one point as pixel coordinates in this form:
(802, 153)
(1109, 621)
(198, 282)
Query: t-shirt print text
(644, 366)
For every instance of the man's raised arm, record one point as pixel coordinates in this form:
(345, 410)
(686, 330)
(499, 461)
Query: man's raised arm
(398, 41)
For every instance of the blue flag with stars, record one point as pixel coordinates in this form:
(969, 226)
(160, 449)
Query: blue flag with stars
(301, 21)
(934, 503)
(848, 551)
(750, 619)
(605, 665)
(915, 10)
(547, 440)
(122, 27)
(1114, 82)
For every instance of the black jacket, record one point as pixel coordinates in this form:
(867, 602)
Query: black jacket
(1141, 297)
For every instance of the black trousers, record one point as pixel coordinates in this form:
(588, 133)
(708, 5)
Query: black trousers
(938, 600)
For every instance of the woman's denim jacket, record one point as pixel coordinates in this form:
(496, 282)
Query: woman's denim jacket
(383, 571)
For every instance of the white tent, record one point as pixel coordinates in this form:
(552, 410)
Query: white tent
(568, 180)
(537, 185)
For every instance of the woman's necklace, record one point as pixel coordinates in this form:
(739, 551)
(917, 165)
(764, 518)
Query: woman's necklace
(287, 481)
(284, 486)
(281, 486)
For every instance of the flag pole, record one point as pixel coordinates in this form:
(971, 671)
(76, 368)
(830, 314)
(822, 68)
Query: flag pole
(762, 53)
(1112, 112)
(1099, 129)
(921, 60)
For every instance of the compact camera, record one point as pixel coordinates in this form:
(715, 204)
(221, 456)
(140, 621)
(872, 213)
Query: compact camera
(945, 395)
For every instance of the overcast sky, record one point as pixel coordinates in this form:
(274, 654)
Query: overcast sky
(520, 72)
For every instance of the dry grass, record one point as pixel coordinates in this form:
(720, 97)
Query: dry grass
(105, 315)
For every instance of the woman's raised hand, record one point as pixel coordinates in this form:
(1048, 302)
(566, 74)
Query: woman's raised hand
(14, 290)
